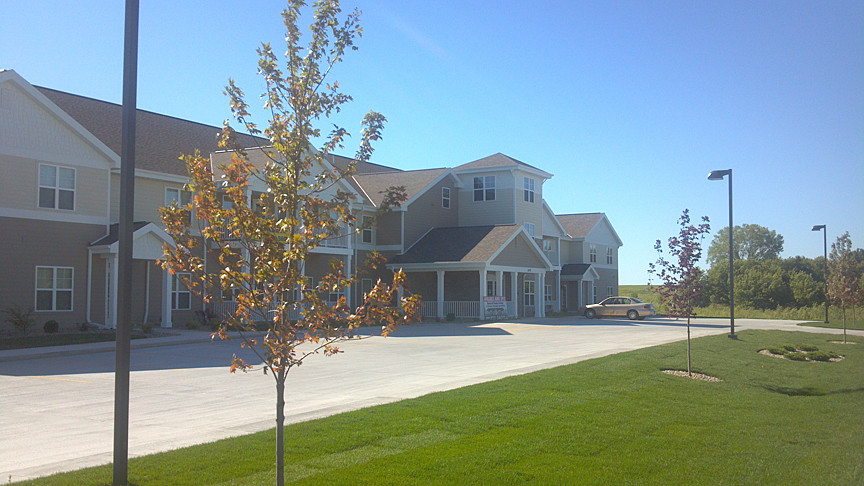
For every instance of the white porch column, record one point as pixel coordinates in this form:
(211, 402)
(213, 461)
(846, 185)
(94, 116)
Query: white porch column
(89, 284)
(440, 294)
(482, 293)
(112, 320)
(557, 301)
(167, 285)
(514, 292)
(541, 295)
(499, 283)
(347, 289)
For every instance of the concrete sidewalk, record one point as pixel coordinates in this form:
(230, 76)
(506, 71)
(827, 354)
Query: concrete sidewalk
(58, 408)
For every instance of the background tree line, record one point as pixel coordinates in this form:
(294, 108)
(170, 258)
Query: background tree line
(763, 280)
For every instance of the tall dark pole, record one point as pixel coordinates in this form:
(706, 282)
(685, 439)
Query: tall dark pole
(824, 230)
(124, 266)
(731, 269)
(718, 175)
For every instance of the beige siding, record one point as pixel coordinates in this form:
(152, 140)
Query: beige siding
(608, 278)
(426, 212)
(518, 253)
(388, 229)
(30, 243)
(149, 197)
(499, 211)
(21, 187)
(528, 212)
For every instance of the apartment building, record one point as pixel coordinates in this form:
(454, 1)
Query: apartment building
(477, 240)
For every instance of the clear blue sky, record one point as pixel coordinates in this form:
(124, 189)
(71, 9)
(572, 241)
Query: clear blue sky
(628, 104)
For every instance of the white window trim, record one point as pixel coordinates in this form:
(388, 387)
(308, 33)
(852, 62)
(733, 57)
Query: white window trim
(53, 290)
(529, 227)
(609, 256)
(493, 286)
(547, 293)
(528, 190)
(370, 230)
(56, 187)
(485, 186)
(594, 300)
(445, 198)
(610, 291)
(592, 254)
(176, 291)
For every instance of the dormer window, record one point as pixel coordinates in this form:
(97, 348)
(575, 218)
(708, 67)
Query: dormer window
(484, 188)
(445, 197)
(529, 190)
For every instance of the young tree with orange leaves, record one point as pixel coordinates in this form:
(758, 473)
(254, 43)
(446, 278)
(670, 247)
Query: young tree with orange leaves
(270, 238)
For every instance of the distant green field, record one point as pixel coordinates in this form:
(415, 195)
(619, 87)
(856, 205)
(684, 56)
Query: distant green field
(815, 313)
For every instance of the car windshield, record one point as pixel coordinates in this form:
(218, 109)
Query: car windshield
(634, 299)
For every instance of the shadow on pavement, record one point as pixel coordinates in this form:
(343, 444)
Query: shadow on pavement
(442, 330)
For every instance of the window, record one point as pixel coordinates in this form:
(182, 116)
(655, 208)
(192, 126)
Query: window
(228, 295)
(547, 295)
(594, 297)
(56, 187)
(529, 190)
(609, 256)
(547, 245)
(610, 292)
(181, 297)
(484, 188)
(445, 197)
(308, 283)
(529, 227)
(335, 295)
(592, 254)
(367, 230)
(491, 288)
(182, 198)
(528, 292)
(366, 286)
(54, 288)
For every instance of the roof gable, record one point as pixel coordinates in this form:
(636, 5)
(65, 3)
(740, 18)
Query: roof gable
(415, 182)
(500, 160)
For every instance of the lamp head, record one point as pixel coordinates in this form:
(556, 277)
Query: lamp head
(718, 175)
(818, 227)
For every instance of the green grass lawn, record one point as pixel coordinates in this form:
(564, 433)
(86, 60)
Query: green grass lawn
(612, 420)
(60, 339)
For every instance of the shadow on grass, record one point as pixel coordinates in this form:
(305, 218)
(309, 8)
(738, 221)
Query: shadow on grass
(808, 391)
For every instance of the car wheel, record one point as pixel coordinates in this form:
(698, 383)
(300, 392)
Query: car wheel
(632, 315)
(590, 313)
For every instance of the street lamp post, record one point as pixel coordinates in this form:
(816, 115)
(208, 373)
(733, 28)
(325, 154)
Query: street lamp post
(718, 175)
(821, 227)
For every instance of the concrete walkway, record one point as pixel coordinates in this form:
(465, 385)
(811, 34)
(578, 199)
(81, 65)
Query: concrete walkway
(57, 403)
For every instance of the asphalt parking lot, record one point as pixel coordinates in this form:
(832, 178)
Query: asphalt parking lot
(57, 410)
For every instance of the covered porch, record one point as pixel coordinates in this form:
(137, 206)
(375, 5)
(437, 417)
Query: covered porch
(577, 286)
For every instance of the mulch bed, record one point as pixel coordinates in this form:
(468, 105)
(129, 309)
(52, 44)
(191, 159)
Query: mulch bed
(695, 376)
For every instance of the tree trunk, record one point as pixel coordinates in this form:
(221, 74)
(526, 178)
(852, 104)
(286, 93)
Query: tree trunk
(844, 324)
(689, 373)
(280, 429)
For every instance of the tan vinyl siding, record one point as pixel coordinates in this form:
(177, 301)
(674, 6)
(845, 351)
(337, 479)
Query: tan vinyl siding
(30, 243)
(426, 212)
(499, 211)
(528, 212)
(21, 187)
(608, 278)
(388, 228)
(149, 197)
(518, 254)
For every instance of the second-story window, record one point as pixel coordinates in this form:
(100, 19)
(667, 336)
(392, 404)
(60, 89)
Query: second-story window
(529, 189)
(181, 197)
(366, 236)
(592, 254)
(56, 187)
(529, 227)
(445, 197)
(484, 188)
(609, 256)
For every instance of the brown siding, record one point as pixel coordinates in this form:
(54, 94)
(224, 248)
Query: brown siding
(388, 229)
(30, 243)
(426, 212)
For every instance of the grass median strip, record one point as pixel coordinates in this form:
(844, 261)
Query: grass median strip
(616, 419)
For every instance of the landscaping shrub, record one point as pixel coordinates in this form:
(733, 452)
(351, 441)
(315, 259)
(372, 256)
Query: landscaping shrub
(797, 356)
(807, 347)
(789, 348)
(192, 325)
(51, 326)
(20, 317)
(83, 327)
(779, 351)
(823, 356)
(451, 317)
(147, 327)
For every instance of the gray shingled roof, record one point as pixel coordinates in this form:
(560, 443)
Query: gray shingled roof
(579, 225)
(414, 182)
(114, 232)
(341, 163)
(457, 244)
(159, 139)
(495, 160)
(577, 269)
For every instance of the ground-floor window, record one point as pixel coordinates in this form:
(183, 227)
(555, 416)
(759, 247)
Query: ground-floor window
(54, 288)
(528, 292)
(594, 294)
(365, 286)
(491, 288)
(547, 295)
(609, 292)
(335, 295)
(181, 297)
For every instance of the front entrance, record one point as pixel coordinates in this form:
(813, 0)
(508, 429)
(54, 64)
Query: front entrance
(563, 297)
